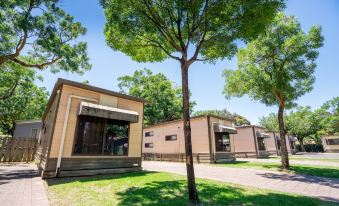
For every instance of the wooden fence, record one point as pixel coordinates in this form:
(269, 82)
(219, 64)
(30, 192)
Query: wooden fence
(17, 149)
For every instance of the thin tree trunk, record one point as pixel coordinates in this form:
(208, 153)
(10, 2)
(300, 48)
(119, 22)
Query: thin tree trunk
(301, 141)
(192, 191)
(283, 147)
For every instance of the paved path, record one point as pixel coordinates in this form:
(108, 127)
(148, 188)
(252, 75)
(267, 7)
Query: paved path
(292, 161)
(324, 188)
(20, 185)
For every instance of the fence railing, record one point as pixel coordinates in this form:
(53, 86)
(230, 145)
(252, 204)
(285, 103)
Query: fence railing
(17, 149)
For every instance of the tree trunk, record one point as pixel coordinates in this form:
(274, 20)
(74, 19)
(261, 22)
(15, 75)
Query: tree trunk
(192, 191)
(301, 141)
(284, 154)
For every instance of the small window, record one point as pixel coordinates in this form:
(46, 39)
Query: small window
(149, 134)
(34, 133)
(171, 137)
(148, 145)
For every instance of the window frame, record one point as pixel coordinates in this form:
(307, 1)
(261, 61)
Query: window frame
(149, 143)
(172, 135)
(332, 141)
(221, 135)
(148, 133)
(76, 133)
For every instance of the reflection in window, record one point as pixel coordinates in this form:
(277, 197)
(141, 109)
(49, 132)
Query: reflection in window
(99, 136)
(222, 142)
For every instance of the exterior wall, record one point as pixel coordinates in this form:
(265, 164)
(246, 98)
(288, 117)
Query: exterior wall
(330, 148)
(200, 142)
(23, 129)
(214, 120)
(69, 160)
(244, 140)
(271, 143)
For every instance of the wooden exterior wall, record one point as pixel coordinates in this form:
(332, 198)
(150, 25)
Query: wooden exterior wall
(80, 162)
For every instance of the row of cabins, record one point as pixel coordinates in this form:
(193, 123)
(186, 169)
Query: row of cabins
(214, 139)
(87, 130)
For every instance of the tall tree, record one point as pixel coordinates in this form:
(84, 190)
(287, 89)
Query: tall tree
(302, 123)
(163, 99)
(237, 119)
(329, 116)
(186, 31)
(28, 102)
(277, 68)
(37, 34)
(270, 122)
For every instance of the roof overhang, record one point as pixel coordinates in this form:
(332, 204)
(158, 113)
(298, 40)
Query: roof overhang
(223, 128)
(102, 111)
(263, 135)
(293, 139)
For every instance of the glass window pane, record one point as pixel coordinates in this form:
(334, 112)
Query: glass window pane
(116, 138)
(222, 142)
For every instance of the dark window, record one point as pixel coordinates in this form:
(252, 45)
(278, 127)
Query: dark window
(332, 141)
(149, 134)
(98, 136)
(292, 144)
(278, 144)
(171, 137)
(222, 142)
(261, 143)
(148, 145)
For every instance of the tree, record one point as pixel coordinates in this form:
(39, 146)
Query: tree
(163, 99)
(302, 123)
(329, 116)
(277, 68)
(37, 34)
(237, 119)
(28, 102)
(186, 31)
(270, 122)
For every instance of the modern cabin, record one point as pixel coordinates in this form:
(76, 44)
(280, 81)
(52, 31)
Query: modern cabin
(89, 130)
(27, 129)
(330, 143)
(212, 140)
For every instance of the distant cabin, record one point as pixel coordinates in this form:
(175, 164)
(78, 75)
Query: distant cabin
(27, 129)
(330, 143)
(89, 130)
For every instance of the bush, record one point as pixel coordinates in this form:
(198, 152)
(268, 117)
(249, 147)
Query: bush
(311, 148)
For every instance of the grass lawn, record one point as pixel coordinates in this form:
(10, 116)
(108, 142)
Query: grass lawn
(150, 188)
(320, 171)
(308, 159)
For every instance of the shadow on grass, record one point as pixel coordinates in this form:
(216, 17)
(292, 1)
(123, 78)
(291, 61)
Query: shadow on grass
(174, 193)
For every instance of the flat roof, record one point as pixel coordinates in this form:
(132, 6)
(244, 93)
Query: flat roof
(28, 121)
(244, 126)
(61, 82)
(194, 117)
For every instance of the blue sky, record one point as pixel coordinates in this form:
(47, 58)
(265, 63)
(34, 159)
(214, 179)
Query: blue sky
(206, 82)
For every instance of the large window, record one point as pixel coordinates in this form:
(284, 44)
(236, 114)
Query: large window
(261, 143)
(222, 142)
(99, 136)
(332, 141)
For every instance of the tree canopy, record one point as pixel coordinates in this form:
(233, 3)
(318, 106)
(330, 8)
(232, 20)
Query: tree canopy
(237, 119)
(38, 34)
(329, 116)
(164, 99)
(277, 68)
(270, 122)
(27, 102)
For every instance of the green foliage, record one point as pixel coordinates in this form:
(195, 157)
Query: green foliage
(27, 101)
(270, 122)
(163, 99)
(152, 31)
(329, 116)
(237, 119)
(277, 67)
(38, 33)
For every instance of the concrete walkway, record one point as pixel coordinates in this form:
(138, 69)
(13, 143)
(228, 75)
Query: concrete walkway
(323, 188)
(20, 185)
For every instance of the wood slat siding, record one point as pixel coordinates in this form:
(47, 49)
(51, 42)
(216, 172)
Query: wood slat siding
(17, 149)
(90, 166)
(177, 157)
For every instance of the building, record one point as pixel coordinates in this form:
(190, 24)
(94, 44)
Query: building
(256, 141)
(330, 143)
(27, 129)
(88, 130)
(212, 140)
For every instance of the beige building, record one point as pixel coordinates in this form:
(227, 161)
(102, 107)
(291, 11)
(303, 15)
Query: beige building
(88, 130)
(212, 140)
(330, 143)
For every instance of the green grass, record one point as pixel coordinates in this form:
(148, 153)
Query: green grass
(308, 159)
(150, 188)
(320, 171)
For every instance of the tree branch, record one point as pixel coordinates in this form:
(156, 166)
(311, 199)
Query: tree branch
(10, 92)
(39, 66)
